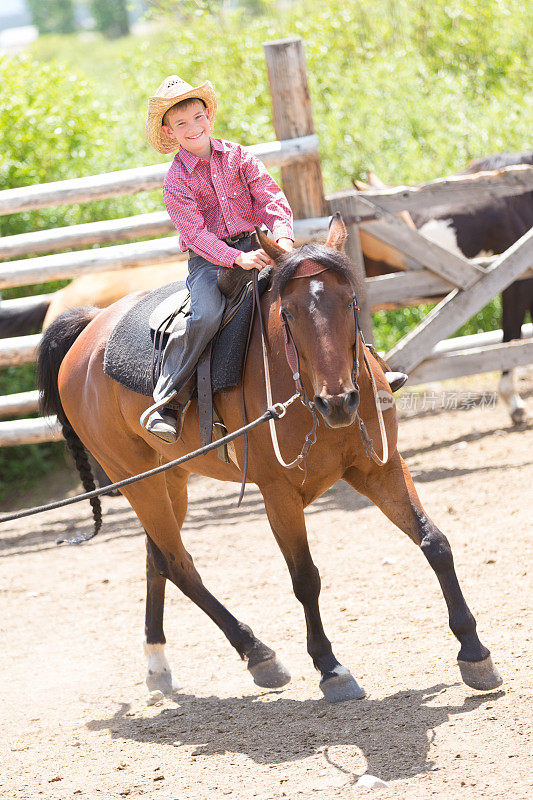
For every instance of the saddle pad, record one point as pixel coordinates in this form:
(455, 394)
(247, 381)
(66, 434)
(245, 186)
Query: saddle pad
(128, 354)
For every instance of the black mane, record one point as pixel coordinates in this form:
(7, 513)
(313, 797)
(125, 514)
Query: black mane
(499, 161)
(332, 259)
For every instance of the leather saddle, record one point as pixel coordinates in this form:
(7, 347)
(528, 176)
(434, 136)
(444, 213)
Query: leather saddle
(170, 316)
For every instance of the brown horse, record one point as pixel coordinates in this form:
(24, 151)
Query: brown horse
(319, 313)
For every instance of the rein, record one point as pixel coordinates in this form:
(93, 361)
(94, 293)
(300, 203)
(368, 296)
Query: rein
(276, 411)
(367, 441)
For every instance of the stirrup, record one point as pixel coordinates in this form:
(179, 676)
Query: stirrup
(155, 407)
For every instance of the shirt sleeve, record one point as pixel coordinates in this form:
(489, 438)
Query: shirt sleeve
(182, 208)
(269, 203)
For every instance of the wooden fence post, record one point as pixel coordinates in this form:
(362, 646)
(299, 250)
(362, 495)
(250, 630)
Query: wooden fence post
(347, 204)
(293, 117)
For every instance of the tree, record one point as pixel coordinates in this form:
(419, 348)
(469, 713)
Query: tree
(184, 9)
(111, 17)
(53, 16)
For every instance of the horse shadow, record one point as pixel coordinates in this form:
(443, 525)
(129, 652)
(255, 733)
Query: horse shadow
(473, 436)
(394, 734)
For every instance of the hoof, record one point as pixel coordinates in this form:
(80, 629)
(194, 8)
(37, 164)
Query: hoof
(270, 674)
(519, 416)
(161, 681)
(481, 675)
(340, 685)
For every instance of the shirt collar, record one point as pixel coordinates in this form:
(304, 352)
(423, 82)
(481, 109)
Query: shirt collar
(189, 160)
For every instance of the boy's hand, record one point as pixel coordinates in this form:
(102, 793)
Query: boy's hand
(255, 259)
(286, 244)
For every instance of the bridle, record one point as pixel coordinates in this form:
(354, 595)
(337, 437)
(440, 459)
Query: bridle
(293, 358)
(293, 361)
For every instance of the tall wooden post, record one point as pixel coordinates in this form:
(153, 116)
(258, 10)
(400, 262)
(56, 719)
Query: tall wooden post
(293, 116)
(350, 209)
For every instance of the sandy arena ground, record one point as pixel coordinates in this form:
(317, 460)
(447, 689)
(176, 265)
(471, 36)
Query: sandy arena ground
(74, 718)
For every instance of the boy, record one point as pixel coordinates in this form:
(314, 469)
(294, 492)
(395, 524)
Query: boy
(215, 193)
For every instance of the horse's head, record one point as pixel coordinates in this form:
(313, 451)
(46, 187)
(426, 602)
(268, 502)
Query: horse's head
(316, 286)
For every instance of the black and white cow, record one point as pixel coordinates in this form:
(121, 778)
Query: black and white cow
(482, 229)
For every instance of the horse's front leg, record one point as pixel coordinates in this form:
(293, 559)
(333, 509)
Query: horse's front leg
(285, 513)
(391, 488)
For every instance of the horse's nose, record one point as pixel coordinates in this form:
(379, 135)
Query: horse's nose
(338, 410)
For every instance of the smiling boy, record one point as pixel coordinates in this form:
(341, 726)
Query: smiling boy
(215, 193)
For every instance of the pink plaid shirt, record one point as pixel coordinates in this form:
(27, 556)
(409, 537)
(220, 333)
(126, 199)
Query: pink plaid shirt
(209, 201)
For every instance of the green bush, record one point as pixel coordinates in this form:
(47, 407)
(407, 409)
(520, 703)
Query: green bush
(22, 466)
(56, 125)
(390, 326)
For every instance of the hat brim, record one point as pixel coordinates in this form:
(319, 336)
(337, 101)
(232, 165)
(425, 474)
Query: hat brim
(158, 106)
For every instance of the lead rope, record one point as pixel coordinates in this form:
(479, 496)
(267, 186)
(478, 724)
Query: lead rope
(278, 410)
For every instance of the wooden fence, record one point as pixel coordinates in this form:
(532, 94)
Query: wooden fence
(432, 271)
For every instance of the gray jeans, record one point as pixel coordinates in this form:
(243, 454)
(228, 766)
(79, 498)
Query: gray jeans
(185, 347)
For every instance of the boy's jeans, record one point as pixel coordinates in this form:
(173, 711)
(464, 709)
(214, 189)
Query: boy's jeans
(185, 347)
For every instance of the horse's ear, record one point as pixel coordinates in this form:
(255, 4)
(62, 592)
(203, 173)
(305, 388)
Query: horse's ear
(337, 233)
(270, 247)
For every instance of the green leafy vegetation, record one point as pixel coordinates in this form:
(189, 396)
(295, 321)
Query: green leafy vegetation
(408, 89)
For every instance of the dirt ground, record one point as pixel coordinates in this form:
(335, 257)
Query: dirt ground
(74, 720)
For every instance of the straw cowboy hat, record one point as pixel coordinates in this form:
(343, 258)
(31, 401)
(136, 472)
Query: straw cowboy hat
(173, 90)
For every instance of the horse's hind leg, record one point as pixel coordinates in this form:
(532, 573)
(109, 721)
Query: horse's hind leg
(158, 675)
(391, 488)
(284, 509)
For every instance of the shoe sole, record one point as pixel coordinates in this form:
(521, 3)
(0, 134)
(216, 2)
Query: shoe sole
(166, 436)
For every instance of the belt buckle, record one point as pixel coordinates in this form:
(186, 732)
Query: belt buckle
(238, 238)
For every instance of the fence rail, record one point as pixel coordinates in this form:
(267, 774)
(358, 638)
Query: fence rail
(139, 179)
(477, 187)
(41, 269)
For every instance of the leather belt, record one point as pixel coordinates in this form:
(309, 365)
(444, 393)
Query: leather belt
(234, 239)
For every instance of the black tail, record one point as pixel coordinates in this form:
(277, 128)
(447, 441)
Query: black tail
(17, 320)
(55, 344)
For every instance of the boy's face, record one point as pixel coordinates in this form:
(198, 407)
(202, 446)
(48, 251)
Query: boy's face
(189, 127)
